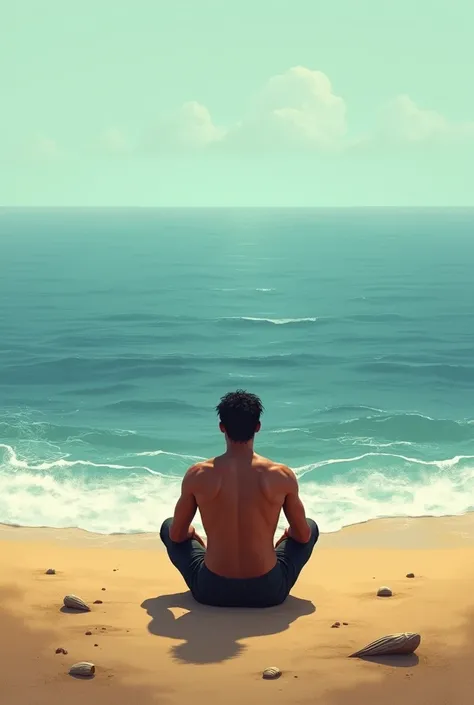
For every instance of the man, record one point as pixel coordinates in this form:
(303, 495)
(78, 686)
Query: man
(239, 495)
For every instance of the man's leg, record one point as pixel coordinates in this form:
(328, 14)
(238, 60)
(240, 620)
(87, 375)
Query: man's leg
(292, 556)
(187, 556)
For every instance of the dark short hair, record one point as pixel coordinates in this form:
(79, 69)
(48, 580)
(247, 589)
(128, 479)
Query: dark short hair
(239, 412)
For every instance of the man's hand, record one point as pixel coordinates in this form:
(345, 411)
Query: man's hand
(288, 534)
(294, 511)
(185, 510)
(282, 538)
(193, 534)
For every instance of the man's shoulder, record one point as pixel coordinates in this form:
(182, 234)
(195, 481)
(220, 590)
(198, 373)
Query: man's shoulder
(275, 468)
(205, 464)
(200, 468)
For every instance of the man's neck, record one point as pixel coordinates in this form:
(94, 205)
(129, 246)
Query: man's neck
(239, 450)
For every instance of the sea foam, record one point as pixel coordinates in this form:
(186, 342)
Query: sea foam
(135, 498)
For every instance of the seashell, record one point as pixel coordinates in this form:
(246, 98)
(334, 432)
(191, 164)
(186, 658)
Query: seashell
(83, 669)
(410, 575)
(73, 602)
(404, 643)
(271, 673)
(384, 591)
(50, 571)
(98, 602)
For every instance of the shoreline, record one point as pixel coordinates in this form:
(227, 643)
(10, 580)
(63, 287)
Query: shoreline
(153, 644)
(389, 532)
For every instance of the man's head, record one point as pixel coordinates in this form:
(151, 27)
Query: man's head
(239, 415)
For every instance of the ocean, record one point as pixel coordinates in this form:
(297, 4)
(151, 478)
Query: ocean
(121, 329)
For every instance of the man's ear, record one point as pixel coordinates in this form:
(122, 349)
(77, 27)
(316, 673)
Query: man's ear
(221, 428)
(259, 426)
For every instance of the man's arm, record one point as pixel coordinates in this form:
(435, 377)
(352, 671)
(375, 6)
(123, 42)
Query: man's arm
(185, 510)
(293, 509)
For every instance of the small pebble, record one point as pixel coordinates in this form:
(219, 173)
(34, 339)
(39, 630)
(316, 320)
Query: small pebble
(88, 633)
(384, 592)
(96, 644)
(98, 602)
(271, 673)
(60, 650)
(104, 629)
(410, 575)
(50, 571)
(336, 625)
(103, 588)
(346, 624)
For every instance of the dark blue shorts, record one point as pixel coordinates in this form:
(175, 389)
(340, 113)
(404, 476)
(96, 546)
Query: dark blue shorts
(265, 591)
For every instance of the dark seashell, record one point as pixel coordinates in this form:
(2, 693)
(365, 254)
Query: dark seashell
(403, 643)
(73, 602)
(84, 669)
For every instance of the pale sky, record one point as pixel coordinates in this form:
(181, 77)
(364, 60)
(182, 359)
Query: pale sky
(219, 103)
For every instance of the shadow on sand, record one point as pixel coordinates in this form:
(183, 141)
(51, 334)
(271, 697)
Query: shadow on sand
(211, 634)
(398, 661)
(68, 610)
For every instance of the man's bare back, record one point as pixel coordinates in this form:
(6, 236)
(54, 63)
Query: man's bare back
(240, 496)
(240, 500)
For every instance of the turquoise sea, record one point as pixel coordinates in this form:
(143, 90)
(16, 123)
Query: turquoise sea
(120, 330)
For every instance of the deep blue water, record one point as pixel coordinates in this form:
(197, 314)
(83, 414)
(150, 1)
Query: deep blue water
(120, 330)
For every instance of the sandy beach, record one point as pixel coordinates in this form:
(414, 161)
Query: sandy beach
(152, 644)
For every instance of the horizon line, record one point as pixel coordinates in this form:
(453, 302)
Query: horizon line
(240, 207)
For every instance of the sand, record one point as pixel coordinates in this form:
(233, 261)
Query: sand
(152, 644)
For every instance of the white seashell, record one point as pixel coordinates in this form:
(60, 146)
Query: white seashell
(271, 673)
(404, 643)
(83, 669)
(384, 591)
(73, 602)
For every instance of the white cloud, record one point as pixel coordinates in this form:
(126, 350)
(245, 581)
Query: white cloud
(190, 128)
(195, 128)
(295, 109)
(404, 121)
